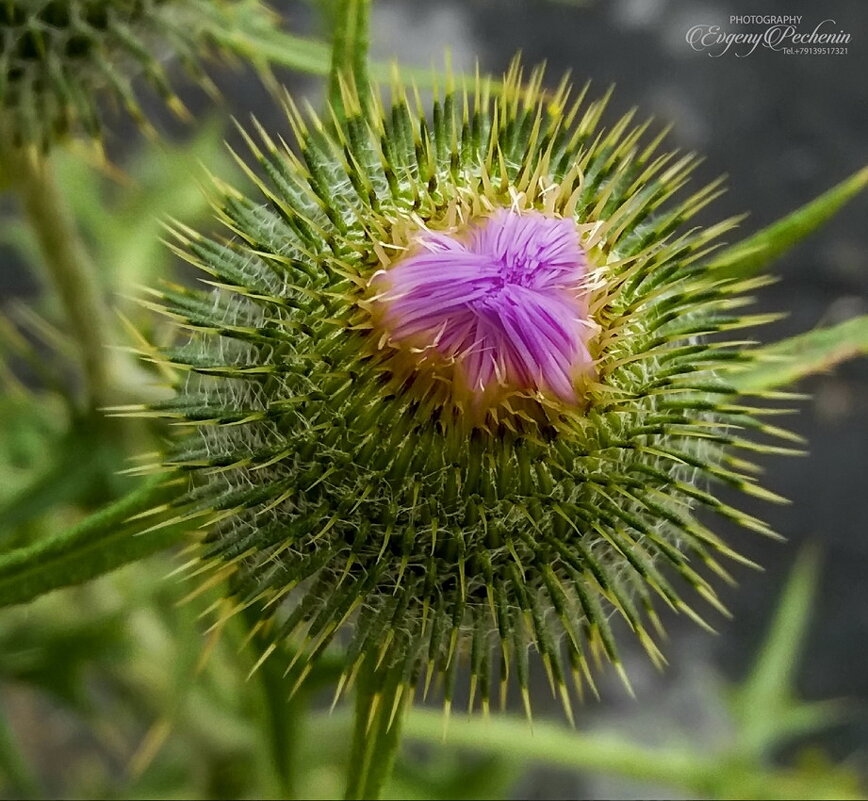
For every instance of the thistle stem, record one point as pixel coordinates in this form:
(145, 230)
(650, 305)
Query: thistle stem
(68, 264)
(281, 715)
(350, 43)
(380, 701)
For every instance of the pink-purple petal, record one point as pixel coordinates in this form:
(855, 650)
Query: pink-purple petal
(505, 302)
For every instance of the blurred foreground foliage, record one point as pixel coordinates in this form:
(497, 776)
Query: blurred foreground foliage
(53, 450)
(113, 690)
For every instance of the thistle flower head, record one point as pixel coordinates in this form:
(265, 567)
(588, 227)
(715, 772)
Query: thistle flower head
(505, 306)
(458, 387)
(59, 57)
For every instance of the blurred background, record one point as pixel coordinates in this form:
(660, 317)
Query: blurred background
(107, 718)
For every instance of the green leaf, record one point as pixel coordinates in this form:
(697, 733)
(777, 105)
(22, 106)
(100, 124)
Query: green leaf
(771, 679)
(62, 481)
(311, 56)
(765, 705)
(31, 648)
(29, 430)
(99, 544)
(697, 771)
(81, 467)
(166, 183)
(791, 359)
(447, 775)
(605, 752)
(753, 254)
(280, 48)
(16, 234)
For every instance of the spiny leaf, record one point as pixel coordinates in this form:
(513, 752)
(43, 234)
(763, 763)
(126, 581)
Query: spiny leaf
(785, 362)
(755, 253)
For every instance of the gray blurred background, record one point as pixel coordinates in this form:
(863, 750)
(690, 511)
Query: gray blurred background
(784, 128)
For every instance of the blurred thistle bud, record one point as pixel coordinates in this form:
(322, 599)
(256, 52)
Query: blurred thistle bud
(60, 58)
(458, 388)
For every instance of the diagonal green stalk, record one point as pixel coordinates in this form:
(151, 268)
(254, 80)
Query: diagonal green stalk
(102, 542)
(69, 266)
(381, 698)
(350, 42)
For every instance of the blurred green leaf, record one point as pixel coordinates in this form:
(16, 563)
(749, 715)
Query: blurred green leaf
(99, 544)
(448, 776)
(84, 463)
(51, 455)
(753, 254)
(63, 480)
(122, 219)
(148, 697)
(32, 654)
(791, 359)
(282, 49)
(272, 46)
(765, 706)
(16, 234)
(28, 425)
(700, 772)
(771, 678)
(167, 183)
(22, 331)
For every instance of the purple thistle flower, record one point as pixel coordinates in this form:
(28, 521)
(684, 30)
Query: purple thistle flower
(414, 453)
(505, 304)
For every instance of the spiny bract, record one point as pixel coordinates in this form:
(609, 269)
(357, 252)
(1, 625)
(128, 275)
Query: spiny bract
(58, 56)
(350, 491)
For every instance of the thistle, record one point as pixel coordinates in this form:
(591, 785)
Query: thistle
(59, 57)
(459, 387)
